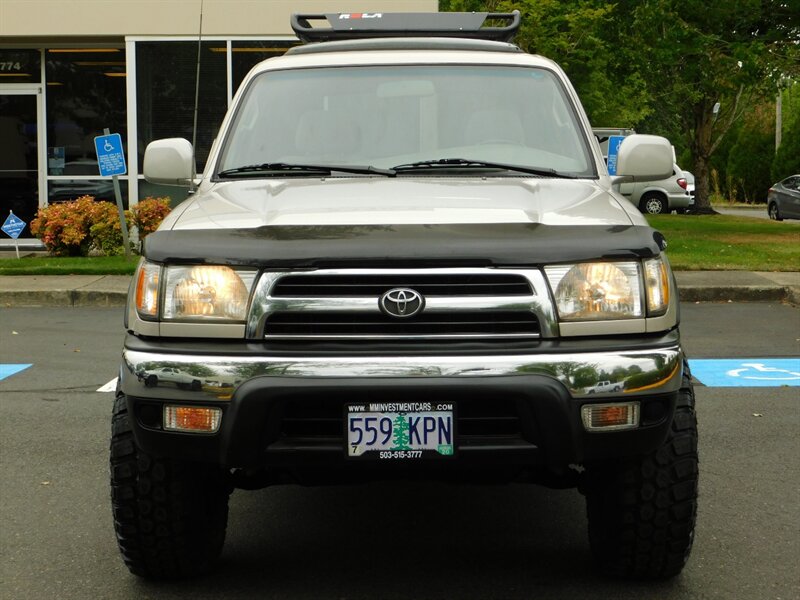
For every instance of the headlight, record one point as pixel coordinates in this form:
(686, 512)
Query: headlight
(597, 291)
(198, 292)
(610, 290)
(656, 280)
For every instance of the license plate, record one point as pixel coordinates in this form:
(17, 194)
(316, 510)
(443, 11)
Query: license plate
(400, 430)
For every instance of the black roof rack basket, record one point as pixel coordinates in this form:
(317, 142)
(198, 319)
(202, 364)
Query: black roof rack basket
(349, 26)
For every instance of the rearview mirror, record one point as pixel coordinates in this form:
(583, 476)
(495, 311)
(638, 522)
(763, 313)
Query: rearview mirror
(644, 158)
(169, 162)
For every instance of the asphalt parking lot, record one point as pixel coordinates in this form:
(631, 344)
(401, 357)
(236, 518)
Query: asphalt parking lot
(390, 540)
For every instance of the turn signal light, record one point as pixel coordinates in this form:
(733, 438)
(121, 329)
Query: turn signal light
(610, 417)
(192, 418)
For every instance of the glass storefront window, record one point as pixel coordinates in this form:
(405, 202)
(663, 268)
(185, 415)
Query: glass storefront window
(19, 157)
(20, 66)
(85, 94)
(246, 55)
(63, 190)
(165, 81)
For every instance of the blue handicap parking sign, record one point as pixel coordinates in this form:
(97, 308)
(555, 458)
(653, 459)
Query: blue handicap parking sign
(614, 142)
(110, 157)
(747, 372)
(13, 225)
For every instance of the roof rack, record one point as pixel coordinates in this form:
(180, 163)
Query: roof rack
(349, 26)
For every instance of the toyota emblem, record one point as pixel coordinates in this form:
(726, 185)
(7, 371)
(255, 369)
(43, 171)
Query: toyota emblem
(401, 302)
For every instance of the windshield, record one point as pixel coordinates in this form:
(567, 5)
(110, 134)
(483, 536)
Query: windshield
(384, 117)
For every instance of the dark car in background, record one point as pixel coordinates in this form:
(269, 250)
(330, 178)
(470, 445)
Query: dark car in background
(783, 199)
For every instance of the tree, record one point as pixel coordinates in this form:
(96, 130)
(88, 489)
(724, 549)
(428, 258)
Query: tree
(787, 157)
(575, 35)
(751, 157)
(712, 53)
(400, 438)
(662, 66)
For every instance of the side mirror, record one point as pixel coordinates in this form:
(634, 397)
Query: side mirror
(644, 158)
(169, 162)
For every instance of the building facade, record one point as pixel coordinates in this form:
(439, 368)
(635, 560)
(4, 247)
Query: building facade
(69, 69)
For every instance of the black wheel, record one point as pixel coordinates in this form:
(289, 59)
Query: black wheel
(774, 213)
(642, 511)
(653, 204)
(170, 516)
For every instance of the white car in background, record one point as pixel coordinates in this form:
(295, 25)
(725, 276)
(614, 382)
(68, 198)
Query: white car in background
(690, 186)
(663, 196)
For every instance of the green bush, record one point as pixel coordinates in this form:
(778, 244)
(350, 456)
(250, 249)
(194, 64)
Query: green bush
(106, 231)
(787, 159)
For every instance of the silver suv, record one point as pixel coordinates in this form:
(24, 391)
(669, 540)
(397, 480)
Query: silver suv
(405, 259)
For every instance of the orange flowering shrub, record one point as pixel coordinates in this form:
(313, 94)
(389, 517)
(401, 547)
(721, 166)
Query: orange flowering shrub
(64, 226)
(75, 228)
(148, 214)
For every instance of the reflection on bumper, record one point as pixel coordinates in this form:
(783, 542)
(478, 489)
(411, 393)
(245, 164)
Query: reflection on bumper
(585, 374)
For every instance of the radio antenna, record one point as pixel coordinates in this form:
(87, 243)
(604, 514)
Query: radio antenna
(196, 99)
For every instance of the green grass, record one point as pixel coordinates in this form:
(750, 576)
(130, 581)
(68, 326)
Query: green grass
(696, 242)
(48, 265)
(723, 242)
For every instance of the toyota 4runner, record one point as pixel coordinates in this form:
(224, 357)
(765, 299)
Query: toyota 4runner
(405, 259)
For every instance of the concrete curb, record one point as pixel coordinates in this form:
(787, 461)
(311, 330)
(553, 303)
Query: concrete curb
(68, 291)
(749, 293)
(66, 298)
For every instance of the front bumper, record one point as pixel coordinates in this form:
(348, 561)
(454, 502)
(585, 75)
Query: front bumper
(285, 412)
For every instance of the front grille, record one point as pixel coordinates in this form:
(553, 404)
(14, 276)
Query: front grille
(345, 325)
(473, 304)
(322, 420)
(454, 285)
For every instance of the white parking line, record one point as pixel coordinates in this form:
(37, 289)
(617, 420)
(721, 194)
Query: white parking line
(111, 386)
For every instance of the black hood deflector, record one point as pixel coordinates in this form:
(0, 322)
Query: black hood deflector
(325, 246)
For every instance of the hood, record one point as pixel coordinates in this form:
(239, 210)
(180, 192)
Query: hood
(400, 201)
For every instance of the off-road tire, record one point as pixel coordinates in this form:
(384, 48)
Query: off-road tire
(642, 511)
(170, 516)
(653, 203)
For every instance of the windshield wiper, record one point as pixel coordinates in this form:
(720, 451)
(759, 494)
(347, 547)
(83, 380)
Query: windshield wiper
(281, 167)
(449, 163)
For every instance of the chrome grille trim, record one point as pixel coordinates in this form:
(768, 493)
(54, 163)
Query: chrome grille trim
(534, 305)
(452, 284)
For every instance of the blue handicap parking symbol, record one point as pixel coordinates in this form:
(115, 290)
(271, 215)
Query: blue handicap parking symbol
(13, 225)
(9, 370)
(110, 157)
(747, 372)
(614, 142)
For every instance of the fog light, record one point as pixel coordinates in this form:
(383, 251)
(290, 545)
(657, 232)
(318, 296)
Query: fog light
(610, 417)
(192, 418)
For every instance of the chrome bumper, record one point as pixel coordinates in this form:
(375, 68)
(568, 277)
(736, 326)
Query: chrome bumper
(199, 377)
